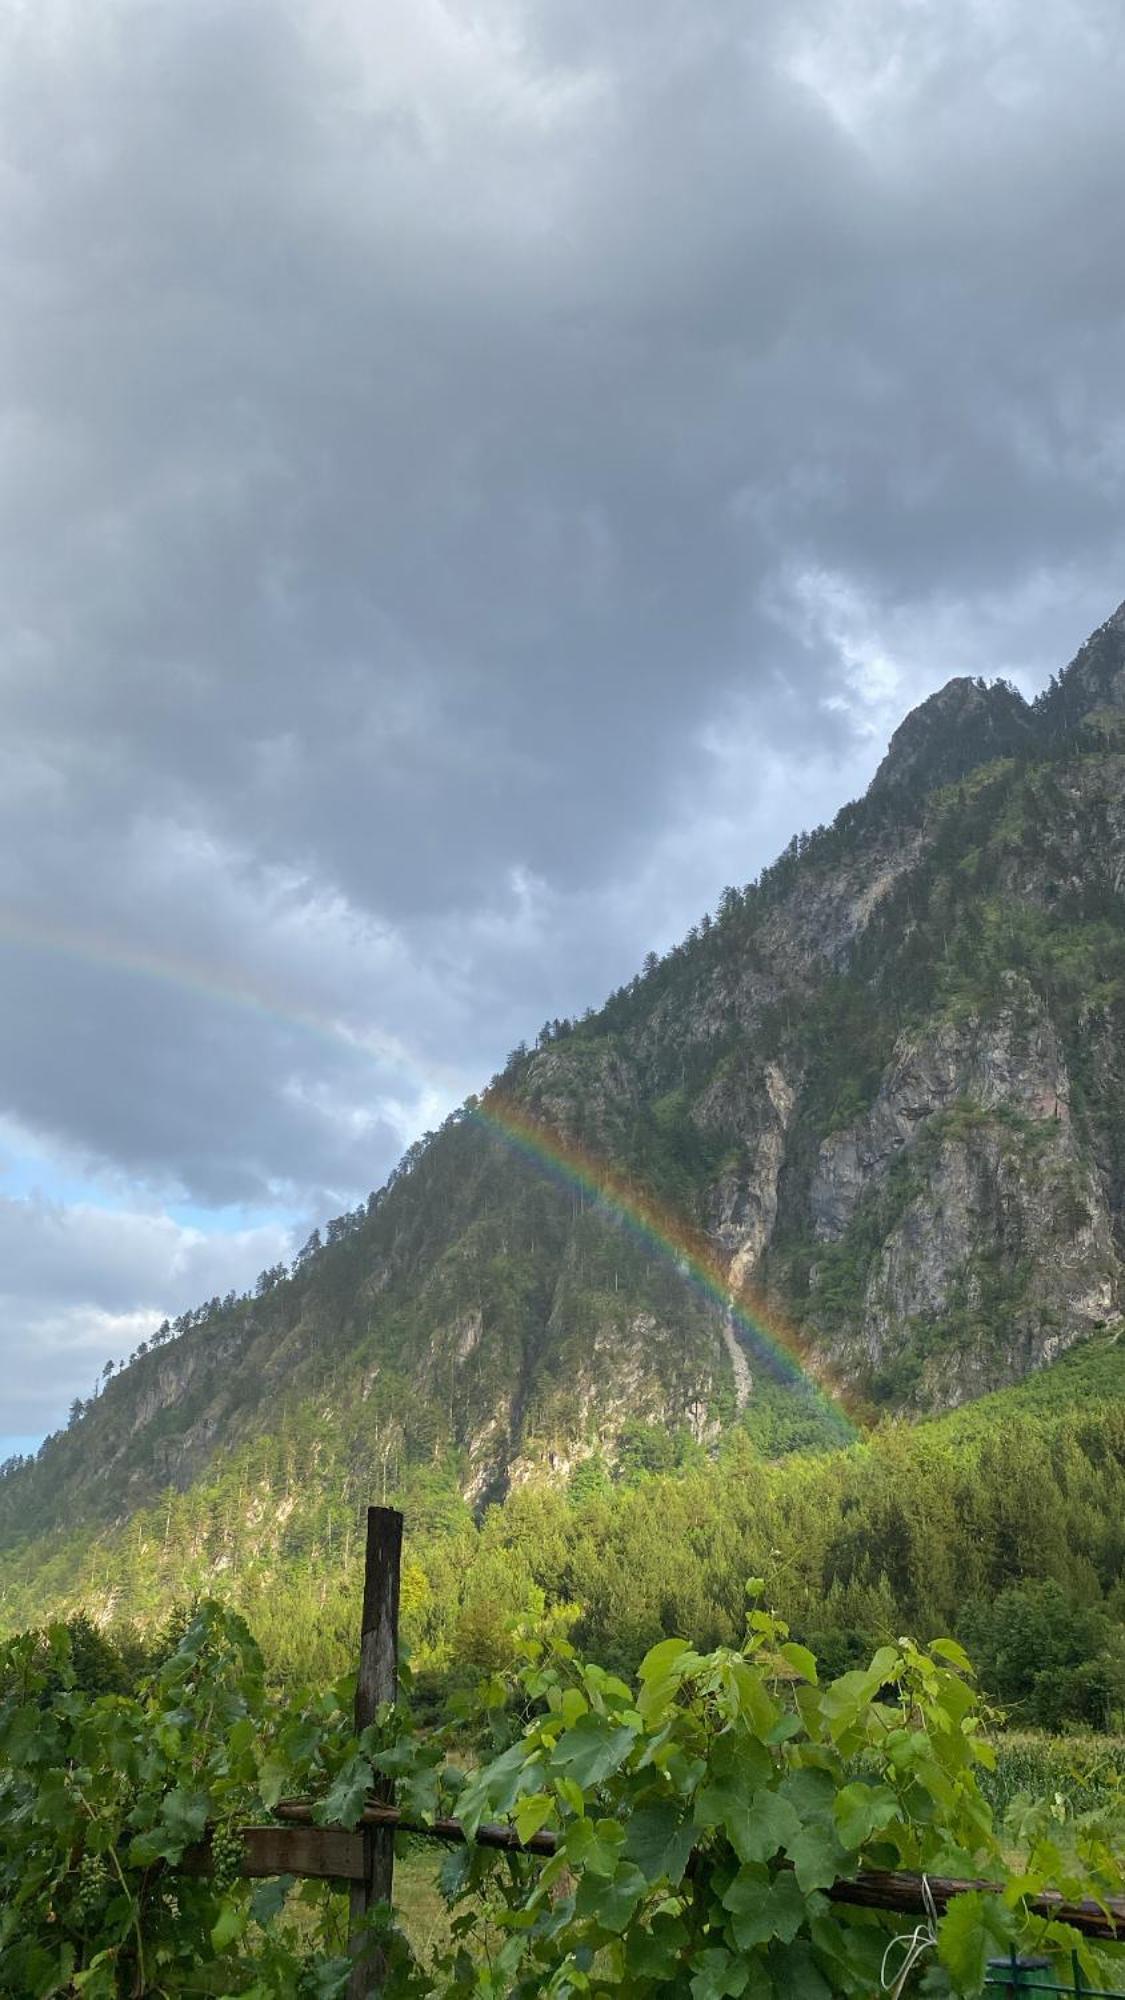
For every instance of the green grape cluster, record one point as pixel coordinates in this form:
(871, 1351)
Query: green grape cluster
(227, 1851)
(90, 1887)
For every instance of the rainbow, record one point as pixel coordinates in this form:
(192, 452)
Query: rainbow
(219, 987)
(758, 1327)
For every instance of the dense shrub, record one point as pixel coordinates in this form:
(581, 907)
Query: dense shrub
(1048, 1660)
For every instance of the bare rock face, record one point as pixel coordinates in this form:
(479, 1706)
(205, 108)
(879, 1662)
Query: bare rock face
(992, 1232)
(1023, 1223)
(1012, 1061)
(486, 1451)
(603, 1090)
(967, 723)
(742, 1208)
(831, 910)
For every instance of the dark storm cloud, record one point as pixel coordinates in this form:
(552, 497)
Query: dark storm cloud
(472, 480)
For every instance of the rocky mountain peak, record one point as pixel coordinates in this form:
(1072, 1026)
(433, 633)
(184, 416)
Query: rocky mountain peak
(966, 723)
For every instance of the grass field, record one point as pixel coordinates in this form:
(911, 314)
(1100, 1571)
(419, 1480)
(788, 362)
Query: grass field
(419, 1901)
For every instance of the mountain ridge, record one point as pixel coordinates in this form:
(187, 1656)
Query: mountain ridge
(885, 1083)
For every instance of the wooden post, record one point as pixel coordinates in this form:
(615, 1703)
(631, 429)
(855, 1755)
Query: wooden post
(378, 1682)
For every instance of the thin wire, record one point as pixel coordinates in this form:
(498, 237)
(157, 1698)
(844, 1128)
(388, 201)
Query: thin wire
(913, 1943)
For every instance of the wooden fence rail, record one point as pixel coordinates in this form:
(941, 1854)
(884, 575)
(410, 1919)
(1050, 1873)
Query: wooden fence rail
(872, 1890)
(363, 1861)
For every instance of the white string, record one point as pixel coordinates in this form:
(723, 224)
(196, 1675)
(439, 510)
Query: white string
(913, 1943)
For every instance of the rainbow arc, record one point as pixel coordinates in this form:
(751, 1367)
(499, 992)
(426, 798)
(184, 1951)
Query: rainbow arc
(762, 1332)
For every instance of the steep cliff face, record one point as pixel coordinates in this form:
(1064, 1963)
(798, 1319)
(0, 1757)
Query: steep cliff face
(978, 1225)
(885, 1085)
(742, 1202)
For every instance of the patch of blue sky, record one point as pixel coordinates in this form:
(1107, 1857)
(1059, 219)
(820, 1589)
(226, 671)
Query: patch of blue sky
(11, 1445)
(228, 1221)
(27, 1175)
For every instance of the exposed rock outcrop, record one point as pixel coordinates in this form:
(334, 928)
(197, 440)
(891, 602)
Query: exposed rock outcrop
(742, 1207)
(965, 724)
(986, 1222)
(1010, 1060)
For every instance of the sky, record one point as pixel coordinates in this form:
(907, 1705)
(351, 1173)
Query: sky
(474, 480)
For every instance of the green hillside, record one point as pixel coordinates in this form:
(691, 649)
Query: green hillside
(916, 1527)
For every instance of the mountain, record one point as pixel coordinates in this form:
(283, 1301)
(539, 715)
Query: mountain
(965, 724)
(878, 1100)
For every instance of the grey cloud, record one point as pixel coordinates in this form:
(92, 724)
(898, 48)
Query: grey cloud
(426, 435)
(82, 1285)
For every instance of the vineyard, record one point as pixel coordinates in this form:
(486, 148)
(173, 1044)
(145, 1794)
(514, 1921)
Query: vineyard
(719, 1823)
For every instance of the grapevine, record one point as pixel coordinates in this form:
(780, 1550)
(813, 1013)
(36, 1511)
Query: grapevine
(227, 1849)
(90, 1888)
(700, 1810)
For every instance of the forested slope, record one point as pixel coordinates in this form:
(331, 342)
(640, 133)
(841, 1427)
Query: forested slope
(1009, 1532)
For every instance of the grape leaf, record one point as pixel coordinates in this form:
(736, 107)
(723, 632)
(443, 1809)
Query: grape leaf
(594, 1845)
(816, 1857)
(861, 1810)
(591, 1750)
(344, 1801)
(228, 1925)
(659, 1840)
(761, 1908)
(975, 1928)
(716, 1973)
(611, 1903)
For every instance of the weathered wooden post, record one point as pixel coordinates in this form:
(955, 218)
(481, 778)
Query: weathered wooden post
(378, 1682)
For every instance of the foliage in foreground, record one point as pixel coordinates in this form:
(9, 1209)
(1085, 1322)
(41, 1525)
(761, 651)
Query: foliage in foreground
(104, 1798)
(702, 1811)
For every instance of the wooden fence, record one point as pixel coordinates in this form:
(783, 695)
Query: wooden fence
(363, 1861)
